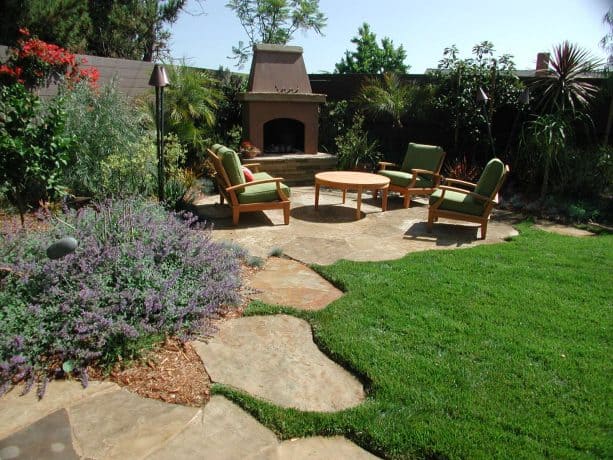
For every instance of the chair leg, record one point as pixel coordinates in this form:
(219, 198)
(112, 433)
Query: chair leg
(407, 200)
(286, 214)
(431, 219)
(220, 198)
(235, 214)
(483, 230)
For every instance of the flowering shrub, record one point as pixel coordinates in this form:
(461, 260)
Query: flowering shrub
(34, 63)
(137, 274)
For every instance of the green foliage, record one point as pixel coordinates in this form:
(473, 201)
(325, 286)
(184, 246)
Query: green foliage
(548, 133)
(228, 128)
(498, 351)
(109, 132)
(371, 58)
(388, 97)
(274, 21)
(33, 144)
(131, 29)
(355, 149)
(63, 22)
(458, 81)
(190, 105)
(334, 118)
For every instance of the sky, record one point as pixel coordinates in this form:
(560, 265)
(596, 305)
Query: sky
(522, 28)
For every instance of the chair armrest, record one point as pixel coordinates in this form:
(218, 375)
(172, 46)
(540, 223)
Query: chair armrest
(255, 167)
(384, 164)
(255, 182)
(483, 198)
(460, 182)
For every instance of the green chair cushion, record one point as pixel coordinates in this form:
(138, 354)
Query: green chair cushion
(403, 179)
(490, 177)
(261, 193)
(216, 147)
(422, 156)
(458, 202)
(261, 176)
(232, 165)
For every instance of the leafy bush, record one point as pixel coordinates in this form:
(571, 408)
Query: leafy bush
(109, 129)
(33, 144)
(138, 273)
(354, 147)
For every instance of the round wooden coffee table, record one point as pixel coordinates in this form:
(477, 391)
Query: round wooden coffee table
(352, 180)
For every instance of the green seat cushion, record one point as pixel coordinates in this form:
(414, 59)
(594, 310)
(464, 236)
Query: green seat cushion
(403, 179)
(261, 176)
(232, 165)
(490, 177)
(422, 156)
(458, 202)
(261, 193)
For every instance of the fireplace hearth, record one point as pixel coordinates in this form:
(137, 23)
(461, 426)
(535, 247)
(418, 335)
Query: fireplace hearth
(280, 111)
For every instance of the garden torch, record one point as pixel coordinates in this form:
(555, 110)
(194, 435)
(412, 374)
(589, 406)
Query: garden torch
(159, 79)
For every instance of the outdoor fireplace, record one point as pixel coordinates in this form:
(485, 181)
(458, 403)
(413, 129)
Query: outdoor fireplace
(280, 111)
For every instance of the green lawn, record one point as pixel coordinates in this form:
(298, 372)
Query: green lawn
(495, 351)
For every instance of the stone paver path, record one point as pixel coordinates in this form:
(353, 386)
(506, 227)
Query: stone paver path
(107, 422)
(290, 283)
(274, 358)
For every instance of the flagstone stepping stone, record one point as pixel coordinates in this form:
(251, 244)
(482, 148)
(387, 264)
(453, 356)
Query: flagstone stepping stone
(226, 431)
(335, 447)
(274, 358)
(48, 438)
(18, 412)
(223, 431)
(290, 283)
(566, 230)
(124, 425)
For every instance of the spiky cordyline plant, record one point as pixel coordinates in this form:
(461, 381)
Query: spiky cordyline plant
(564, 88)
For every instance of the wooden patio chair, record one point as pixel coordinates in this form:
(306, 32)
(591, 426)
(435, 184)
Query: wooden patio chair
(474, 205)
(264, 192)
(419, 173)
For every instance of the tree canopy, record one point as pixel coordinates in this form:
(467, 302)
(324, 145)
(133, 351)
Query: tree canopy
(370, 57)
(274, 22)
(130, 29)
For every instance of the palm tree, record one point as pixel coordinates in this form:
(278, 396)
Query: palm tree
(190, 105)
(387, 97)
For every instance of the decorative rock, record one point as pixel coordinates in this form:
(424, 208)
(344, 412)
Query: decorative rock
(274, 358)
(62, 248)
(290, 283)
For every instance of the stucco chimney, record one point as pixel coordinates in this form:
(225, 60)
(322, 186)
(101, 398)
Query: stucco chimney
(542, 63)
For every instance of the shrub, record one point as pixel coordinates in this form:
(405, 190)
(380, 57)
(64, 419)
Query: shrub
(138, 273)
(354, 147)
(109, 130)
(33, 145)
(35, 63)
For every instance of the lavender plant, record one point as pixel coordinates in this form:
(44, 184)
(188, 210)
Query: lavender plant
(139, 272)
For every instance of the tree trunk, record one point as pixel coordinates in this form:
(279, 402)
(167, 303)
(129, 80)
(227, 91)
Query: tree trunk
(545, 180)
(607, 132)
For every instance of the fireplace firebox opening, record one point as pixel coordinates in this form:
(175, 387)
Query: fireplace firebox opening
(283, 135)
